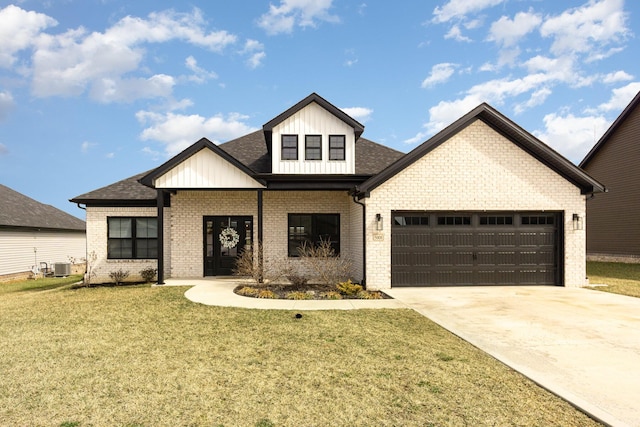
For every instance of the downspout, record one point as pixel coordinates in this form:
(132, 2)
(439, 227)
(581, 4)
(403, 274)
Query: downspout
(260, 246)
(364, 238)
(160, 203)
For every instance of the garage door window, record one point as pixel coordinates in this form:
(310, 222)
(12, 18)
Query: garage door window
(496, 220)
(537, 220)
(454, 220)
(403, 221)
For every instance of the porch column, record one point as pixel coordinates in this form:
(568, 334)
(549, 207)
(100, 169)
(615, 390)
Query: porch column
(260, 257)
(160, 203)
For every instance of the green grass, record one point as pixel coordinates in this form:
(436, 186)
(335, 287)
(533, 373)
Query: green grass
(620, 278)
(143, 356)
(45, 284)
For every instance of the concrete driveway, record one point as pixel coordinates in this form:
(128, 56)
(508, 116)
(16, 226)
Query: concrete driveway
(581, 344)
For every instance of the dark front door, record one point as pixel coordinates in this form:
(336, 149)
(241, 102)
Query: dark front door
(224, 239)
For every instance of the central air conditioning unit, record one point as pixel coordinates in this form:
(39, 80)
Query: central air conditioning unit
(61, 269)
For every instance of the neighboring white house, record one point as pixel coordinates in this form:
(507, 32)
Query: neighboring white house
(483, 202)
(34, 236)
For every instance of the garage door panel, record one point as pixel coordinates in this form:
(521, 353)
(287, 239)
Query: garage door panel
(475, 249)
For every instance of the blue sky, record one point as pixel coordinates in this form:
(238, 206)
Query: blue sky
(94, 91)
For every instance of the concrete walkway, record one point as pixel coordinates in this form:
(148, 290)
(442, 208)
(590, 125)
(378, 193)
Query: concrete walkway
(219, 292)
(580, 344)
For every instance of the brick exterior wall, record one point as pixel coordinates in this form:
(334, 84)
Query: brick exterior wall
(97, 243)
(187, 211)
(277, 206)
(476, 170)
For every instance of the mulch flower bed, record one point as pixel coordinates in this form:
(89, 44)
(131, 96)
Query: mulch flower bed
(303, 292)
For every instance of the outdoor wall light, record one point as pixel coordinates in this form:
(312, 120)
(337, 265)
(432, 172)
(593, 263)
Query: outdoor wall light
(378, 222)
(577, 222)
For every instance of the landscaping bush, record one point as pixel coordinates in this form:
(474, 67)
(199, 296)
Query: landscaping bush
(149, 274)
(248, 291)
(348, 288)
(299, 295)
(119, 276)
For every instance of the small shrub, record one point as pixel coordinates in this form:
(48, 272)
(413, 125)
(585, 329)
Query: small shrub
(297, 280)
(118, 276)
(348, 288)
(298, 295)
(267, 294)
(331, 295)
(369, 295)
(149, 274)
(248, 291)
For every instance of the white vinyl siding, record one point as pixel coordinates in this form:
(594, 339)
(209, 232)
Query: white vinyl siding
(17, 252)
(313, 120)
(206, 169)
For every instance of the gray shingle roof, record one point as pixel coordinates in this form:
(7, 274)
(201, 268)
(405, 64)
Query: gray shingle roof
(250, 150)
(129, 189)
(18, 210)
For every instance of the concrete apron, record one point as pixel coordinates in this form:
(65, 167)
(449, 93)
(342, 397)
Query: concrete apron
(580, 344)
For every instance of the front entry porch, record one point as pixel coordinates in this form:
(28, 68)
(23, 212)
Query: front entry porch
(225, 237)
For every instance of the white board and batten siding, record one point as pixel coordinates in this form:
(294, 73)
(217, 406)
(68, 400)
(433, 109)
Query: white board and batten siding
(313, 120)
(17, 249)
(206, 169)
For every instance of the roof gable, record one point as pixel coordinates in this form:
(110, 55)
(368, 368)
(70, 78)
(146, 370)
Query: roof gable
(267, 128)
(626, 113)
(509, 130)
(18, 210)
(202, 165)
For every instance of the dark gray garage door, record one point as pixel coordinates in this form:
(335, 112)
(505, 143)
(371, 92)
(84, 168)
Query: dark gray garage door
(442, 248)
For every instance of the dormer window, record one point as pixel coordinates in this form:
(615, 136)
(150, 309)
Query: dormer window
(313, 147)
(289, 147)
(336, 147)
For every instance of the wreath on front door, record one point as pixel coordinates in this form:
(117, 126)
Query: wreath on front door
(229, 237)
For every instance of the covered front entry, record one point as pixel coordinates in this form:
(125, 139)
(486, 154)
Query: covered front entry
(224, 239)
(454, 248)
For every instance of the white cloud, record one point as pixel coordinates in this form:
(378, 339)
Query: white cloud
(69, 63)
(361, 114)
(440, 73)
(620, 98)
(178, 131)
(618, 76)
(537, 98)
(459, 8)
(456, 34)
(108, 90)
(256, 53)
(18, 30)
(588, 29)
(6, 103)
(303, 13)
(200, 75)
(507, 32)
(86, 146)
(148, 151)
(3, 149)
(572, 136)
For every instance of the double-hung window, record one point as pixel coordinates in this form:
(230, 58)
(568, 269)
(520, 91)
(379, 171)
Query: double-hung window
(313, 147)
(312, 229)
(336, 147)
(289, 147)
(132, 238)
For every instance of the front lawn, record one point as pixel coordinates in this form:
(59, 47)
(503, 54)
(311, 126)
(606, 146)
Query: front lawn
(143, 356)
(620, 278)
